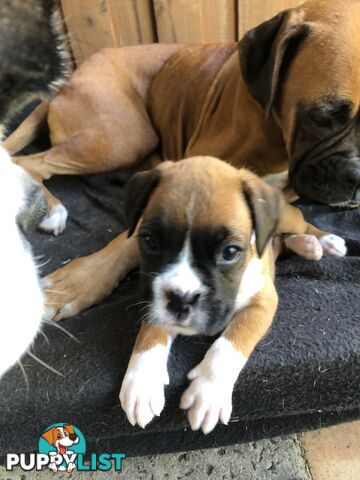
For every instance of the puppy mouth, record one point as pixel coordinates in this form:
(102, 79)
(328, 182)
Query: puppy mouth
(62, 449)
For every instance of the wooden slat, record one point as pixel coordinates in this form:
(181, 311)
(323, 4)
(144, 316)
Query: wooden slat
(195, 21)
(254, 12)
(132, 21)
(94, 24)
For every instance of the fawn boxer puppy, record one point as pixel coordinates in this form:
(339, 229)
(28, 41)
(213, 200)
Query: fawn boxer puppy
(286, 96)
(204, 231)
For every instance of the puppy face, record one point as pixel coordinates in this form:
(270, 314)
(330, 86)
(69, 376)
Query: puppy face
(199, 259)
(61, 437)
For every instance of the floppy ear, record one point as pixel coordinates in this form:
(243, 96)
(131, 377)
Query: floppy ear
(266, 50)
(49, 436)
(265, 205)
(70, 429)
(138, 192)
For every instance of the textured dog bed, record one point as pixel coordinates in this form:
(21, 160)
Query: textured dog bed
(303, 375)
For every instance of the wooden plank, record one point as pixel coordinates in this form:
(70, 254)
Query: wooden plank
(89, 26)
(254, 12)
(195, 21)
(94, 24)
(133, 21)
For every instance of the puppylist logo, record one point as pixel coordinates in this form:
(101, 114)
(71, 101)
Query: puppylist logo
(62, 448)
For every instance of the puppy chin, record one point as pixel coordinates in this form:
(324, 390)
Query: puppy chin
(161, 317)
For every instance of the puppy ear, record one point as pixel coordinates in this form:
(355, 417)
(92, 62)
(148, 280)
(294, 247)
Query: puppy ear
(265, 205)
(70, 429)
(266, 50)
(49, 436)
(138, 192)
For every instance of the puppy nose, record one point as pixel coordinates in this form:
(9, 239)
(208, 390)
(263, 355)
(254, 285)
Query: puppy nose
(73, 437)
(180, 303)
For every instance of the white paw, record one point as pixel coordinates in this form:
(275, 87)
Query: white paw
(307, 246)
(71, 466)
(55, 220)
(142, 390)
(209, 396)
(53, 467)
(333, 246)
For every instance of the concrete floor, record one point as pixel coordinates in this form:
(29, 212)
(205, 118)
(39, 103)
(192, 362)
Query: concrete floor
(274, 459)
(327, 454)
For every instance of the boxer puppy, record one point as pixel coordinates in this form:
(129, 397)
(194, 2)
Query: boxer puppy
(22, 206)
(204, 231)
(285, 97)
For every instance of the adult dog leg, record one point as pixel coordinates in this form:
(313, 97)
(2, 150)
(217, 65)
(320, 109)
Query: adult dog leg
(29, 129)
(305, 239)
(142, 390)
(88, 280)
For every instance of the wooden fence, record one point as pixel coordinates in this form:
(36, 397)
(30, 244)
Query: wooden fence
(93, 24)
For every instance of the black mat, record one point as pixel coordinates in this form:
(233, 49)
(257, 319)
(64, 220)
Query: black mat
(304, 374)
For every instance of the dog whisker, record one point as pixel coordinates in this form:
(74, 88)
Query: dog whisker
(44, 364)
(60, 292)
(24, 375)
(46, 338)
(60, 327)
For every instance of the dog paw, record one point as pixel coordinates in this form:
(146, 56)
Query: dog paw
(53, 467)
(307, 246)
(142, 391)
(76, 286)
(71, 467)
(208, 401)
(208, 398)
(55, 220)
(333, 246)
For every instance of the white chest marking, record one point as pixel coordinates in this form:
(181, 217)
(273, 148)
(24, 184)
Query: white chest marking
(251, 283)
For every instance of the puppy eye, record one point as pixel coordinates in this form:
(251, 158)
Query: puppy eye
(59, 435)
(150, 242)
(230, 254)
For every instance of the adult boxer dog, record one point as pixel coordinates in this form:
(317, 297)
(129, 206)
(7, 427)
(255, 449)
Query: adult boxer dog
(203, 229)
(285, 96)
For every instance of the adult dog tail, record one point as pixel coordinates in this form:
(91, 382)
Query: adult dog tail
(28, 130)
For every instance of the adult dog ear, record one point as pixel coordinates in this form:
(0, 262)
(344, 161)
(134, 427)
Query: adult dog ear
(137, 195)
(266, 50)
(265, 205)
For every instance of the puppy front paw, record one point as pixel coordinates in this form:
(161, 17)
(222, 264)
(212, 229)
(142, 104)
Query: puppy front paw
(142, 391)
(209, 396)
(207, 400)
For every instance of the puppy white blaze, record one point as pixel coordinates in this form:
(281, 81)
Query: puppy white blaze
(251, 283)
(209, 396)
(142, 390)
(181, 276)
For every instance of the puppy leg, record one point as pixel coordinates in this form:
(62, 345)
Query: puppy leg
(88, 280)
(305, 239)
(142, 390)
(208, 399)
